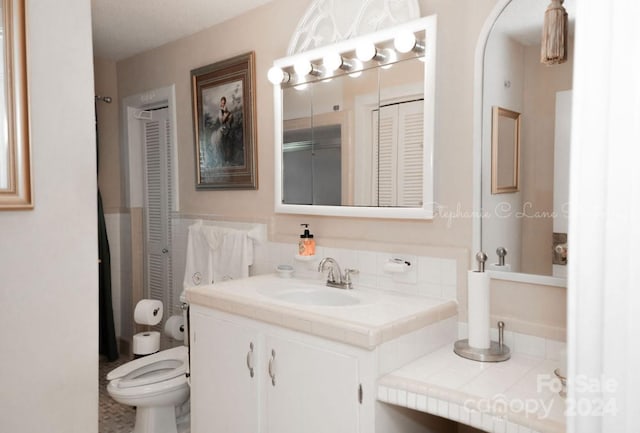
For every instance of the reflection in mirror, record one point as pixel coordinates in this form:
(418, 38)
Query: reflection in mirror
(389, 127)
(356, 132)
(395, 155)
(524, 219)
(15, 164)
(505, 150)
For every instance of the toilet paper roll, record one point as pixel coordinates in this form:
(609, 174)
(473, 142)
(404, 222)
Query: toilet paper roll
(148, 312)
(478, 308)
(174, 327)
(146, 343)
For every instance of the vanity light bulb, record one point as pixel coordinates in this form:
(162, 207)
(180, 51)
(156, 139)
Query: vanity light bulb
(404, 42)
(366, 51)
(302, 67)
(332, 61)
(276, 75)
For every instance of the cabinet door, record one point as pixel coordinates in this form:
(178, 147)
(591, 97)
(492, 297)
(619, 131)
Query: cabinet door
(315, 390)
(224, 393)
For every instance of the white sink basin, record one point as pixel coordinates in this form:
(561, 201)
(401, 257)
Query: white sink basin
(327, 297)
(301, 292)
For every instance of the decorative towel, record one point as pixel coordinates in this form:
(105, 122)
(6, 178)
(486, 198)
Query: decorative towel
(198, 268)
(232, 259)
(217, 254)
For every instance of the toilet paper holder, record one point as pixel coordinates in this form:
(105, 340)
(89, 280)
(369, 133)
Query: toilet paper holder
(396, 265)
(497, 352)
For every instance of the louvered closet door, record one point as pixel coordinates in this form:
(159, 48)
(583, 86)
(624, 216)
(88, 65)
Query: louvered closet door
(385, 139)
(410, 153)
(398, 154)
(158, 205)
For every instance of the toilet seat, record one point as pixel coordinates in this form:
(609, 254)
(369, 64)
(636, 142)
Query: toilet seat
(160, 367)
(134, 395)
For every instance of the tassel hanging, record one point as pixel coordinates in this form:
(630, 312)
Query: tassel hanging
(553, 49)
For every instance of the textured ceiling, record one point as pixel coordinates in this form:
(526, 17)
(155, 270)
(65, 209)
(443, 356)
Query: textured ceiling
(123, 28)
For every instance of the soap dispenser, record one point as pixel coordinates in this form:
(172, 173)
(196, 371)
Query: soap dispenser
(306, 245)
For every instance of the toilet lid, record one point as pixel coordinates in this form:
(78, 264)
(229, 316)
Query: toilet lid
(159, 367)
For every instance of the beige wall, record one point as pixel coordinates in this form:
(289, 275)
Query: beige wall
(109, 175)
(459, 25)
(49, 255)
(541, 84)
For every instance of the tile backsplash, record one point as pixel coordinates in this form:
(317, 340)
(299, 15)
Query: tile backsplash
(424, 276)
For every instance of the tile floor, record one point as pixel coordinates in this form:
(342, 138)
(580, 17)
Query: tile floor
(113, 417)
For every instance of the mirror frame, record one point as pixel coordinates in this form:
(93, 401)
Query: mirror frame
(429, 26)
(478, 95)
(19, 193)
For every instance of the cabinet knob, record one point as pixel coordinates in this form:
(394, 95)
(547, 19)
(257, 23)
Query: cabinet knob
(272, 367)
(250, 359)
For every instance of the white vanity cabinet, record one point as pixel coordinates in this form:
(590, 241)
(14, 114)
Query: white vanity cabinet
(224, 392)
(299, 383)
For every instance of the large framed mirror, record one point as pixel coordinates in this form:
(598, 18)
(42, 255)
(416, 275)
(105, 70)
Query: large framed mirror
(354, 126)
(15, 159)
(530, 220)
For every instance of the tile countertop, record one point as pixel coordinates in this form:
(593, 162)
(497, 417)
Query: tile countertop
(516, 396)
(377, 317)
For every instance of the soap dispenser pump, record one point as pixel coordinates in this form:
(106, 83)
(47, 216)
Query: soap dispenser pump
(306, 244)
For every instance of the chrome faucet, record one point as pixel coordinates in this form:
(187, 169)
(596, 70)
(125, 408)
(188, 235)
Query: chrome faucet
(341, 281)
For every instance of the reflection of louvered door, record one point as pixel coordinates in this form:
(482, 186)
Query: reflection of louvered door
(398, 154)
(158, 204)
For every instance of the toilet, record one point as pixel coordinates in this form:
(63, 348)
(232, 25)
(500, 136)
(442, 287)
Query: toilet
(157, 386)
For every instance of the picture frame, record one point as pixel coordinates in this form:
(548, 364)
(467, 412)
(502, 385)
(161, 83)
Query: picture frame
(223, 97)
(505, 151)
(16, 189)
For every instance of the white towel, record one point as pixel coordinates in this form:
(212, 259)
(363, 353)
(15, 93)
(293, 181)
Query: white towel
(198, 268)
(213, 235)
(233, 257)
(216, 254)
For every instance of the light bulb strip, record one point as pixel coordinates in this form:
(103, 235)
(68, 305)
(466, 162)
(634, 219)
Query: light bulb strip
(336, 64)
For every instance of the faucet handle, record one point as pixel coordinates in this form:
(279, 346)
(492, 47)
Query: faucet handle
(347, 274)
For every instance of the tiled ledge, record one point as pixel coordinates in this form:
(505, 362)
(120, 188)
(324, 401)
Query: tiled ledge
(516, 396)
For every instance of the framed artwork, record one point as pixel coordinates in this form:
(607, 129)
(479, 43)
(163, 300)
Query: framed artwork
(15, 148)
(505, 151)
(223, 96)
